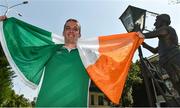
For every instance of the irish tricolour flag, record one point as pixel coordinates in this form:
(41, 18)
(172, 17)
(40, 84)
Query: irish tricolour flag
(106, 59)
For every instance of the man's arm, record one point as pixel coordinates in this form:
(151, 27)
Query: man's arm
(153, 50)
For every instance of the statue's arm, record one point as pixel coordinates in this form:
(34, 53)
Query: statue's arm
(153, 50)
(163, 31)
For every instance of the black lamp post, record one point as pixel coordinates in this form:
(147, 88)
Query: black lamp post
(134, 18)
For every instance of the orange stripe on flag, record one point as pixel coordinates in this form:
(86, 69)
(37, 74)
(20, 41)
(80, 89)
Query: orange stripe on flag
(111, 68)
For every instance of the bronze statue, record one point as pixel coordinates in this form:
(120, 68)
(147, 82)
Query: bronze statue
(168, 49)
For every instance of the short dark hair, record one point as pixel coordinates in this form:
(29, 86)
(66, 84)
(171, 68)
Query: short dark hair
(165, 17)
(74, 20)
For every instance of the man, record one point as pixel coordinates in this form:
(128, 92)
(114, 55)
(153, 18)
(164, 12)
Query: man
(67, 57)
(168, 49)
(57, 89)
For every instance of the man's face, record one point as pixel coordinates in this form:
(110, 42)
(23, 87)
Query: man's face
(71, 32)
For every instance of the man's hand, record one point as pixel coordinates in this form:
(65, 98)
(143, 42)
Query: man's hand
(2, 18)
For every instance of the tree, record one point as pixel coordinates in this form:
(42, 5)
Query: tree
(6, 76)
(8, 98)
(133, 79)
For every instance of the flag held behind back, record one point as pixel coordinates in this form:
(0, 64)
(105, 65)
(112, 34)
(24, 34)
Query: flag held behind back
(106, 58)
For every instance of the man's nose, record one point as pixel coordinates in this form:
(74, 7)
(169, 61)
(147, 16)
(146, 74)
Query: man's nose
(71, 30)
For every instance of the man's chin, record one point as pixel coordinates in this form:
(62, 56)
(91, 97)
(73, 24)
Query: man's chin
(72, 42)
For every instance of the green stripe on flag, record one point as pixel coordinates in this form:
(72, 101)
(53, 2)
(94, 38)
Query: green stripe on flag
(30, 47)
(25, 34)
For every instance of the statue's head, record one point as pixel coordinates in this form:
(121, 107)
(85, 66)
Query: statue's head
(162, 19)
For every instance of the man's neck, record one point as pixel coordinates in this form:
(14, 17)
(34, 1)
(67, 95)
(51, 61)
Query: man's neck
(71, 46)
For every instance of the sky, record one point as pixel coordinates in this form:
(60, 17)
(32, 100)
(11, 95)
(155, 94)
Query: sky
(97, 18)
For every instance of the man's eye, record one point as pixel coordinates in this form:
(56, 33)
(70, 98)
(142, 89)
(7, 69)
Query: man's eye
(67, 28)
(75, 29)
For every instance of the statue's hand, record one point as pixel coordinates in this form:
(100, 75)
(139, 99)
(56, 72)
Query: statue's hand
(140, 34)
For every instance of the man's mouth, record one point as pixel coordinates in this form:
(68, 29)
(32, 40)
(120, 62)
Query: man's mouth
(70, 35)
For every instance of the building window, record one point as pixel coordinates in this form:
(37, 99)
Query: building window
(92, 99)
(100, 100)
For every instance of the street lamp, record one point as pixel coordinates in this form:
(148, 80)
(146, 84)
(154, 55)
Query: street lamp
(8, 8)
(134, 16)
(134, 19)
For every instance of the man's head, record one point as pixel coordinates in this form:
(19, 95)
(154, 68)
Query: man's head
(163, 19)
(72, 31)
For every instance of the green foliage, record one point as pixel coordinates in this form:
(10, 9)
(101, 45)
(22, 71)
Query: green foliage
(133, 79)
(14, 100)
(5, 76)
(8, 98)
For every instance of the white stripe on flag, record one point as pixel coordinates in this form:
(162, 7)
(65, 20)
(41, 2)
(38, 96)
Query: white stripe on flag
(57, 39)
(88, 49)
